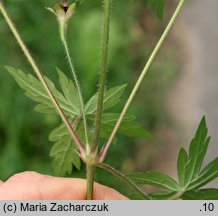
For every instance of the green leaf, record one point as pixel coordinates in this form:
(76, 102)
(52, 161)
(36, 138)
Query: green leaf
(64, 151)
(35, 91)
(135, 197)
(91, 105)
(165, 195)
(42, 108)
(69, 91)
(128, 126)
(181, 165)
(209, 173)
(197, 151)
(156, 179)
(204, 194)
(111, 98)
(211, 168)
(190, 173)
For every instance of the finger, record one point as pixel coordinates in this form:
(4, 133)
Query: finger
(105, 193)
(34, 186)
(1, 182)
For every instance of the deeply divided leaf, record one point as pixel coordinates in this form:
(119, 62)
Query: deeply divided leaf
(204, 194)
(128, 127)
(69, 91)
(35, 91)
(156, 179)
(189, 165)
(197, 151)
(136, 197)
(164, 195)
(111, 98)
(64, 151)
(209, 173)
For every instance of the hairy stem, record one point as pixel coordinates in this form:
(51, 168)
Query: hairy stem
(63, 27)
(90, 171)
(41, 77)
(125, 179)
(103, 72)
(138, 83)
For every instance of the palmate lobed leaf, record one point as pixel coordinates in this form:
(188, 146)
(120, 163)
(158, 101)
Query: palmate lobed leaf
(128, 127)
(197, 151)
(189, 165)
(111, 98)
(190, 173)
(204, 194)
(135, 197)
(65, 156)
(64, 150)
(156, 179)
(35, 91)
(163, 195)
(59, 135)
(69, 90)
(209, 173)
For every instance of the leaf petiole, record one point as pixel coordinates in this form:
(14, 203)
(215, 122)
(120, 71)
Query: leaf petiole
(105, 149)
(125, 179)
(63, 26)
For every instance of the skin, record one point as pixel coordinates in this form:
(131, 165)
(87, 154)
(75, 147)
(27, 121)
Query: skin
(35, 186)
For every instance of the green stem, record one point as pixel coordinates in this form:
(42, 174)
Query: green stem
(63, 27)
(90, 171)
(103, 72)
(41, 77)
(125, 179)
(138, 83)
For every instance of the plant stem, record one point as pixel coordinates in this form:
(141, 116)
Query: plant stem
(103, 72)
(138, 83)
(125, 179)
(63, 27)
(90, 170)
(41, 77)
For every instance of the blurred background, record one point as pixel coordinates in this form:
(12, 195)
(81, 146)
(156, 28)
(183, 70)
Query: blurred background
(180, 88)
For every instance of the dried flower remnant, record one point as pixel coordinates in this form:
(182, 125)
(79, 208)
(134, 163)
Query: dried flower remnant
(63, 11)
